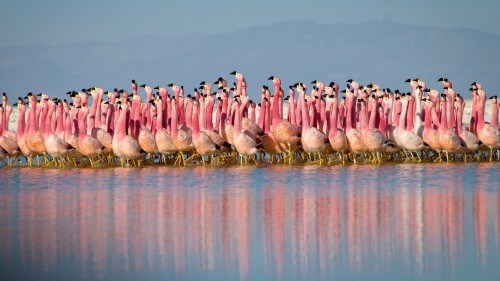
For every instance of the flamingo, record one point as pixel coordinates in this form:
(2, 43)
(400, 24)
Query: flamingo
(431, 135)
(494, 112)
(181, 137)
(337, 138)
(313, 140)
(244, 144)
(145, 137)
(406, 139)
(468, 139)
(448, 138)
(7, 144)
(21, 131)
(201, 141)
(34, 138)
(486, 133)
(283, 131)
(354, 138)
(87, 145)
(373, 139)
(124, 145)
(8, 109)
(268, 142)
(56, 147)
(162, 137)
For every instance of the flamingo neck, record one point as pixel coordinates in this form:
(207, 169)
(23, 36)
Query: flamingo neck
(402, 118)
(275, 105)
(60, 121)
(159, 116)
(460, 113)
(334, 114)
(363, 118)
(373, 116)
(443, 124)
(82, 130)
(291, 110)
(494, 115)
(410, 115)
(21, 122)
(196, 120)
(237, 120)
(305, 116)
(48, 130)
(173, 125)
(209, 124)
(267, 115)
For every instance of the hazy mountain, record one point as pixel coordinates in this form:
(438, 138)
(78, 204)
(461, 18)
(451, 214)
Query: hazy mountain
(380, 52)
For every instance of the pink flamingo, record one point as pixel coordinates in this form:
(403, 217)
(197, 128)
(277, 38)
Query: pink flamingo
(486, 133)
(268, 142)
(87, 145)
(181, 137)
(124, 145)
(244, 144)
(101, 135)
(34, 138)
(7, 144)
(207, 115)
(201, 141)
(494, 112)
(406, 139)
(21, 131)
(283, 131)
(448, 138)
(145, 137)
(374, 140)
(313, 140)
(56, 147)
(8, 109)
(162, 137)
(468, 139)
(431, 135)
(354, 137)
(337, 138)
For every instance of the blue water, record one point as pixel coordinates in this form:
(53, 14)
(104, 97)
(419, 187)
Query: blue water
(388, 222)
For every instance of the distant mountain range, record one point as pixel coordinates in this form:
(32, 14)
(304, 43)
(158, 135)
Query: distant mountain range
(381, 52)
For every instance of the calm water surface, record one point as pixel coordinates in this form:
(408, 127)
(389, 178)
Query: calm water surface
(389, 222)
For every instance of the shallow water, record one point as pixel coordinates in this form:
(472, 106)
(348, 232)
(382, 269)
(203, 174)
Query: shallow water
(388, 222)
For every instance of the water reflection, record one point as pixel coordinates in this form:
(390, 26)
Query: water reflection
(251, 223)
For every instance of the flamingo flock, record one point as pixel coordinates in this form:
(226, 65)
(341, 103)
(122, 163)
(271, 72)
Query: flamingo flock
(367, 125)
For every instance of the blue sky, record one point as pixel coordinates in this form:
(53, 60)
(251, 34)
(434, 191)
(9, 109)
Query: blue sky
(55, 22)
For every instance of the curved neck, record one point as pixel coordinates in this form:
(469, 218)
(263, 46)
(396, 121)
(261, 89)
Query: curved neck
(48, 121)
(460, 113)
(237, 120)
(443, 123)
(373, 115)
(82, 129)
(188, 114)
(334, 115)
(60, 125)
(275, 108)
(494, 115)
(402, 118)
(21, 122)
(159, 116)
(195, 121)
(210, 112)
(173, 125)
(363, 119)
(203, 116)
(266, 112)
(305, 115)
